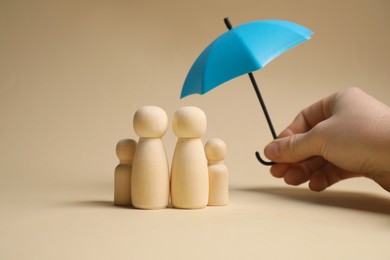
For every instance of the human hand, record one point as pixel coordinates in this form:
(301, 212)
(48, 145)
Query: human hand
(342, 136)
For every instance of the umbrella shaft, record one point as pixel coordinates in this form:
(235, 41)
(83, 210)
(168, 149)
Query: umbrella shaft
(256, 88)
(271, 127)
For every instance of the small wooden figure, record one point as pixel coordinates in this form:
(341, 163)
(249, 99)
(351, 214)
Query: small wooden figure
(125, 150)
(150, 177)
(218, 172)
(189, 175)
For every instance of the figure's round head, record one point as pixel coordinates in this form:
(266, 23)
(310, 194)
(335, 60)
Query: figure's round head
(125, 149)
(215, 149)
(150, 122)
(189, 122)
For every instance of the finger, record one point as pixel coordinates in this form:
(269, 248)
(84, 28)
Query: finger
(310, 116)
(328, 175)
(279, 170)
(296, 175)
(303, 171)
(289, 171)
(294, 148)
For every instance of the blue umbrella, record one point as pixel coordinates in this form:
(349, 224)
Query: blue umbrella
(240, 51)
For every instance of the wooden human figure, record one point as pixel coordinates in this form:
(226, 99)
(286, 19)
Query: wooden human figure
(189, 174)
(150, 177)
(218, 172)
(125, 150)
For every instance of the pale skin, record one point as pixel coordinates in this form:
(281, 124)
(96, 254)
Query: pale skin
(342, 136)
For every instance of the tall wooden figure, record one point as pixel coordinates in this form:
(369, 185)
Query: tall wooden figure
(218, 172)
(189, 177)
(125, 150)
(150, 177)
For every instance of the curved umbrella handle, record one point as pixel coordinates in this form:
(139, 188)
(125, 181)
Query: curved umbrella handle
(262, 161)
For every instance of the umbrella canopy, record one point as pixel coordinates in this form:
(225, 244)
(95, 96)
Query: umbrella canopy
(244, 49)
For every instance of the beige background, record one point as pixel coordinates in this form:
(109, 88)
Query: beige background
(72, 74)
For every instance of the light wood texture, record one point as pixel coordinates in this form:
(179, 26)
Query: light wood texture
(122, 186)
(150, 122)
(150, 177)
(215, 150)
(125, 150)
(189, 175)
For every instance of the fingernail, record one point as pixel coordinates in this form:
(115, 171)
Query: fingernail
(271, 151)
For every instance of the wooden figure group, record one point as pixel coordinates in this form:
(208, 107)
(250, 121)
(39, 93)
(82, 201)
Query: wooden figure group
(198, 174)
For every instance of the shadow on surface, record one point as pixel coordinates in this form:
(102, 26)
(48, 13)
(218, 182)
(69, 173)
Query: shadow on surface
(95, 204)
(342, 199)
(106, 204)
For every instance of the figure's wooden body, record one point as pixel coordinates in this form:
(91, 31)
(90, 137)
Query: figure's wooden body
(189, 175)
(150, 177)
(125, 150)
(218, 173)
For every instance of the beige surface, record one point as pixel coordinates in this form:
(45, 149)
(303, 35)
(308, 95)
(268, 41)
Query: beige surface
(72, 73)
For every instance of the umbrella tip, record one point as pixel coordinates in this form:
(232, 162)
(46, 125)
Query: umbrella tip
(227, 23)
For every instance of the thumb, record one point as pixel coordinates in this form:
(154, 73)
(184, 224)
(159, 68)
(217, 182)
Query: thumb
(291, 149)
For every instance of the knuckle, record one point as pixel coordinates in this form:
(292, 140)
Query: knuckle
(318, 139)
(292, 147)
